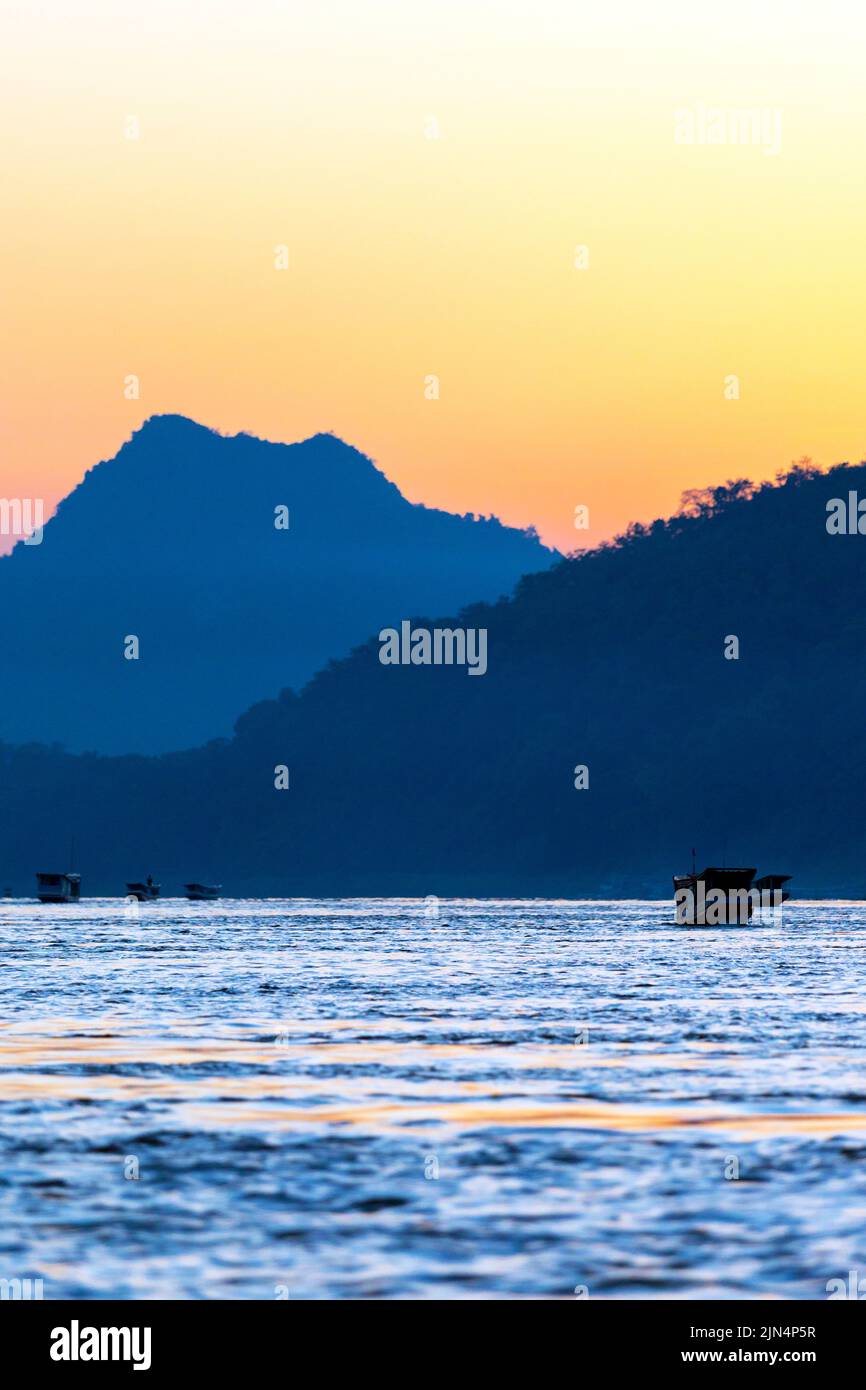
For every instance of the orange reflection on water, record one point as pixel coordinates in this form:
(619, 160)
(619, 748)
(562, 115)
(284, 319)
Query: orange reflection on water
(379, 1084)
(520, 1115)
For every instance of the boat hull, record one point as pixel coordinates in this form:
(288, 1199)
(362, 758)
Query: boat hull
(144, 892)
(202, 892)
(725, 897)
(58, 888)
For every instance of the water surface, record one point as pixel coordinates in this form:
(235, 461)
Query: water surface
(371, 1098)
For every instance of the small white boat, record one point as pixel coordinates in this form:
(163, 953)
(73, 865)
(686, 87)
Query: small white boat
(58, 888)
(202, 892)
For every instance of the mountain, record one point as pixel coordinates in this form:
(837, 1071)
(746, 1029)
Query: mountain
(175, 542)
(421, 779)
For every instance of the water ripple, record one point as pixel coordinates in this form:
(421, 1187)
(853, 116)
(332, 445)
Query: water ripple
(356, 1098)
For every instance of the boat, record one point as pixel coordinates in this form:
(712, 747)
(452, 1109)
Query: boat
(202, 892)
(58, 888)
(719, 897)
(144, 892)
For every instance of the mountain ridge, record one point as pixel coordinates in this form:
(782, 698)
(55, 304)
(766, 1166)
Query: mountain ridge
(414, 779)
(239, 564)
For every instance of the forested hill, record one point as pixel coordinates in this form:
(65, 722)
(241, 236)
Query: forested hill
(424, 779)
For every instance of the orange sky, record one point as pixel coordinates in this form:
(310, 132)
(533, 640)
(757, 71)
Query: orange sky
(554, 125)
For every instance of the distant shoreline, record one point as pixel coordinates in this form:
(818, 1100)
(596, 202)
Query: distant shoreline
(452, 898)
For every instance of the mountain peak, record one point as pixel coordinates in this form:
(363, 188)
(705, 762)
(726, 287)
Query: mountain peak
(173, 426)
(177, 540)
(160, 424)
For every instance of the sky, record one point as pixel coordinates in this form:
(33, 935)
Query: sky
(432, 171)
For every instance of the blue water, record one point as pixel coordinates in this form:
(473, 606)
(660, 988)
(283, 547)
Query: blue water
(387, 1099)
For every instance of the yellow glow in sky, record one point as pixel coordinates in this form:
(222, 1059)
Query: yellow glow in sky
(432, 171)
